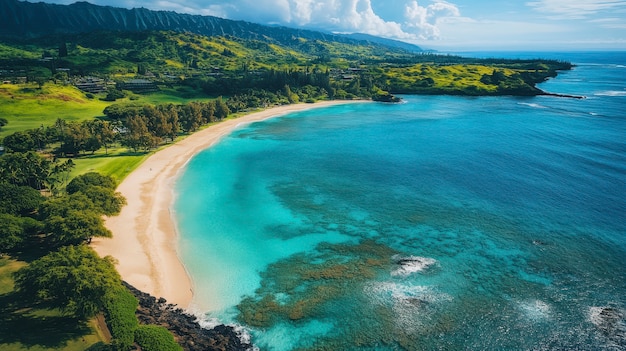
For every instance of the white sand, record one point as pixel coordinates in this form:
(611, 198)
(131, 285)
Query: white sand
(144, 234)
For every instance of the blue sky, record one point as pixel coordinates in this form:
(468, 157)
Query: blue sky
(454, 25)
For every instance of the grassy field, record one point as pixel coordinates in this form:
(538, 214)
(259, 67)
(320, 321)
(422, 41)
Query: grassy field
(27, 328)
(26, 106)
(118, 163)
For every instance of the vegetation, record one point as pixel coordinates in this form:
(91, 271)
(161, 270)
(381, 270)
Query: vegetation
(120, 306)
(74, 279)
(155, 338)
(64, 277)
(102, 101)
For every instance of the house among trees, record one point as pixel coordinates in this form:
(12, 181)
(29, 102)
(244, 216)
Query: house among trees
(91, 85)
(138, 85)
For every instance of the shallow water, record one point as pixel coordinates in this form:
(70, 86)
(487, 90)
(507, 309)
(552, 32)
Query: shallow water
(440, 223)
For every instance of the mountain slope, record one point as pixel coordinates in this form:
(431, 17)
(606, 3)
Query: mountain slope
(26, 19)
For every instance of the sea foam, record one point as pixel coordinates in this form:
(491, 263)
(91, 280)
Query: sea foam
(408, 265)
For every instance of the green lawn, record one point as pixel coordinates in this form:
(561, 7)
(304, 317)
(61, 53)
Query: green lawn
(118, 163)
(26, 106)
(27, 328)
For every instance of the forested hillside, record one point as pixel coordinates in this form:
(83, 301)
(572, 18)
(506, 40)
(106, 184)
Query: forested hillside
(30, 19)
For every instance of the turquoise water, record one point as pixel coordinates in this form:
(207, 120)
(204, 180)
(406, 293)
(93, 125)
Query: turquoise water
(440, 223)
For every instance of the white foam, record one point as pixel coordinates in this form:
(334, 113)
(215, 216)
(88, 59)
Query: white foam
(598, 318)
(412, 305)
(208, 323)
(531, 104)
(384, 293)
(411, 264)
(535, 309)
(611, 93)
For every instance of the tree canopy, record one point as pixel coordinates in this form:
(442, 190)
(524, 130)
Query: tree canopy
(74, 279)
(19, 200)
(15, 230)
(83, 181)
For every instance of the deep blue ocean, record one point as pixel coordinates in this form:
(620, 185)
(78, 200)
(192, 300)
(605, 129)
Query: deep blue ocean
(441, 223)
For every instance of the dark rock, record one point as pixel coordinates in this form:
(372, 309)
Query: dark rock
(185, 327)
(386, 98)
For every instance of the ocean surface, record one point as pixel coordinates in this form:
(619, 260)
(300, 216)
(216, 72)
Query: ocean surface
(441, 223)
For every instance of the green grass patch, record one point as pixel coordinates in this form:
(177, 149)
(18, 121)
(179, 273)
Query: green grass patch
(7, 267)
(117, 164)
(177, 95)
(26, 106)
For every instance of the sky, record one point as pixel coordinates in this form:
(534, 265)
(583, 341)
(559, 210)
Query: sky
(456, 25)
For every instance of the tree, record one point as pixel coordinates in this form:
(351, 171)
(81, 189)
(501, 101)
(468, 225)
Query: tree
(138, 136)
(75, 139)
(190, 117)
(208, 112)
(76, 227)
(62, 205)
(74, 279)
(59, 174)
(27, 168)
(76, 218)
(19, 142)
(171, 114)
(105, 132)
(3, 122)
(63, 50)
(221, 110)
(84, 181)
(15, 230)
(19, 200)
(105, 200)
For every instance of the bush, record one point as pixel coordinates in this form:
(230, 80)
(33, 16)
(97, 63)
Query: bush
(119, 310)
(155, 338)
(83, 181)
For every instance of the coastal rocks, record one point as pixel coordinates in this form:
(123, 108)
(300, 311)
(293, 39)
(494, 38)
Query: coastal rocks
(386, 98)
(185, 327)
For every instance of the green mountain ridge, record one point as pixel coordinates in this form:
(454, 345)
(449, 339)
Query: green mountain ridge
(25, 19)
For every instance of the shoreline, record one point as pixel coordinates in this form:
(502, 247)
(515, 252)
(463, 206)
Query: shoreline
(145, 236)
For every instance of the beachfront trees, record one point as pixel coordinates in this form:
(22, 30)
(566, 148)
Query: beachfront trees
(138, 136)
(76, 218)
(190, 117)
(221, 109)
(74, 279)
(75, 227)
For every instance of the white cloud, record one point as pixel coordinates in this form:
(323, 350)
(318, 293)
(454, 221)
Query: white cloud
(579, 9)
(424, 20)
(405, 19)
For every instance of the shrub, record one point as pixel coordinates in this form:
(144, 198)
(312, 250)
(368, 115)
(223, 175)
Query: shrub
(119, 310)
(155, 338)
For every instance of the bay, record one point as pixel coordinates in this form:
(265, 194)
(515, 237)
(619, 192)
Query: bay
(440, 223)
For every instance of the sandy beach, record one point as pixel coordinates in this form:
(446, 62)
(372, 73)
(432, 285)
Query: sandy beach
(144, 239)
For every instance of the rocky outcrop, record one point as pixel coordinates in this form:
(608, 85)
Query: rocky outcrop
(185, 327)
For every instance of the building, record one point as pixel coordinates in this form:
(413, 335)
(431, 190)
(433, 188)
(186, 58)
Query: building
(138, 85)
